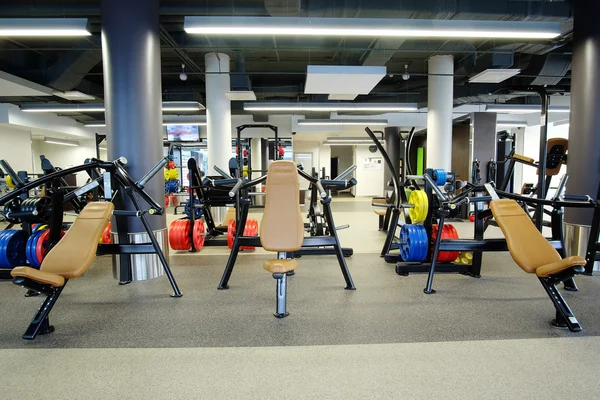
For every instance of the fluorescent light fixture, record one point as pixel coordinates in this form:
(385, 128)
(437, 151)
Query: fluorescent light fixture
(326, 107)
(241, 95)
(494, 75)
(524, 108)
(512, 124)
(370, 27)
(73, 95)
(332, 122)
(167, 106)
(62, 142)
(13, 27)
(182, 106)
(63, 108)
(94, 124)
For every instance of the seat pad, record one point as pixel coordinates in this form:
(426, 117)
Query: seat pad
(46, 278)
(379, 212)
(280, 266)
(558, 266)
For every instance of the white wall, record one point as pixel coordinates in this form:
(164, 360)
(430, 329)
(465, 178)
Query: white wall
(64, 156)
(15, 147)
(370, 181)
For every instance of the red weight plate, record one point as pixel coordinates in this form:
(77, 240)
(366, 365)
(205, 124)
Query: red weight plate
(166, 200)
(246, 232)
(106, 239)
(174, 201)
(172, 234)
(185, 234)
(230, 233)
(42, 244)
(199, 234)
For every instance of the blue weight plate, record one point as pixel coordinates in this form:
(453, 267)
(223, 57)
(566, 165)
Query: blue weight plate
(3, 248)
(28, 248)
(403, 242)
(423, 243)
(440, 176)
(12, 248)
(414, 243)
(31, 249)
(16, 248)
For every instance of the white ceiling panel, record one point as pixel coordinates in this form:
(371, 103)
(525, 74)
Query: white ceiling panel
(13, 86)
(342, 79)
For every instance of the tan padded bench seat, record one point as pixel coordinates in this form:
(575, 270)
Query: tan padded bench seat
(528, 248)
(73, 255)
(523, 158)
(380, 212)
(280, 266)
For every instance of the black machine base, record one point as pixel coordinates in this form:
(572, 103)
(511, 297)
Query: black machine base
(277, 315)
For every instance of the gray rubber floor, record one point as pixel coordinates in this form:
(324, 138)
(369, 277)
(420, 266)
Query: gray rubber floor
(94, 312)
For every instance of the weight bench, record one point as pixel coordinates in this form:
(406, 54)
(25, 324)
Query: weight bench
(380, 212)
(70, 258)
(535, 255)
(281, 227)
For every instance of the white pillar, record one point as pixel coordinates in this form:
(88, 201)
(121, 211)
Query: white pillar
(218, 111)
(255, 151)
(439, 112)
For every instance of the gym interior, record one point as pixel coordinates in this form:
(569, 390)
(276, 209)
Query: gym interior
(299, 199)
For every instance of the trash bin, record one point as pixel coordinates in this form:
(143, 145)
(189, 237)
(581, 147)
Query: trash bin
(144, 266)
(576, 241)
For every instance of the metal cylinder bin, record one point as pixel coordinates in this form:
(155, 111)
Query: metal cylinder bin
(144, 266)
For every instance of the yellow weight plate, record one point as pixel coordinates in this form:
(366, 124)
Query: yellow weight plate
(418, 213)
(9, 182)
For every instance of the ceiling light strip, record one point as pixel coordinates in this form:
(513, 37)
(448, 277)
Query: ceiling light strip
(330, 107)
(36, 27)
(338, 122)
(370, 27)
(167, 106)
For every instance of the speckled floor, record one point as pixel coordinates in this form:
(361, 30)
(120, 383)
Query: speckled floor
(475, 338)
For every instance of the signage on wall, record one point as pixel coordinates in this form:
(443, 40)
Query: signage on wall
(373, 163)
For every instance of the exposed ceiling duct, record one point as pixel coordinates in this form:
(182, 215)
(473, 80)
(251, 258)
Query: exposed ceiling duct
(70, 69)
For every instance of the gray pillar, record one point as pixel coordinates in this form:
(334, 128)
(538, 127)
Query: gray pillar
(392, 148)
(483, 137)
(584, 132)
(133, 99)
(132, 92)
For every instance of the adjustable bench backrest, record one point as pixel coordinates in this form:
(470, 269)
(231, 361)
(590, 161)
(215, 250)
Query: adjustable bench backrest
(282, 227)
(527, 246)
(73, 255)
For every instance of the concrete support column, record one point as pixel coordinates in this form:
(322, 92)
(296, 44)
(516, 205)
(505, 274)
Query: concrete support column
(133, 101)
(218, 111)
(584, 131)
(132, 92)
(483, 140)
(583, 164)
(392, 148)
(439, 112)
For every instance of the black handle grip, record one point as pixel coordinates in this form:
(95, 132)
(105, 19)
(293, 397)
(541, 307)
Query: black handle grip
(574, 197)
